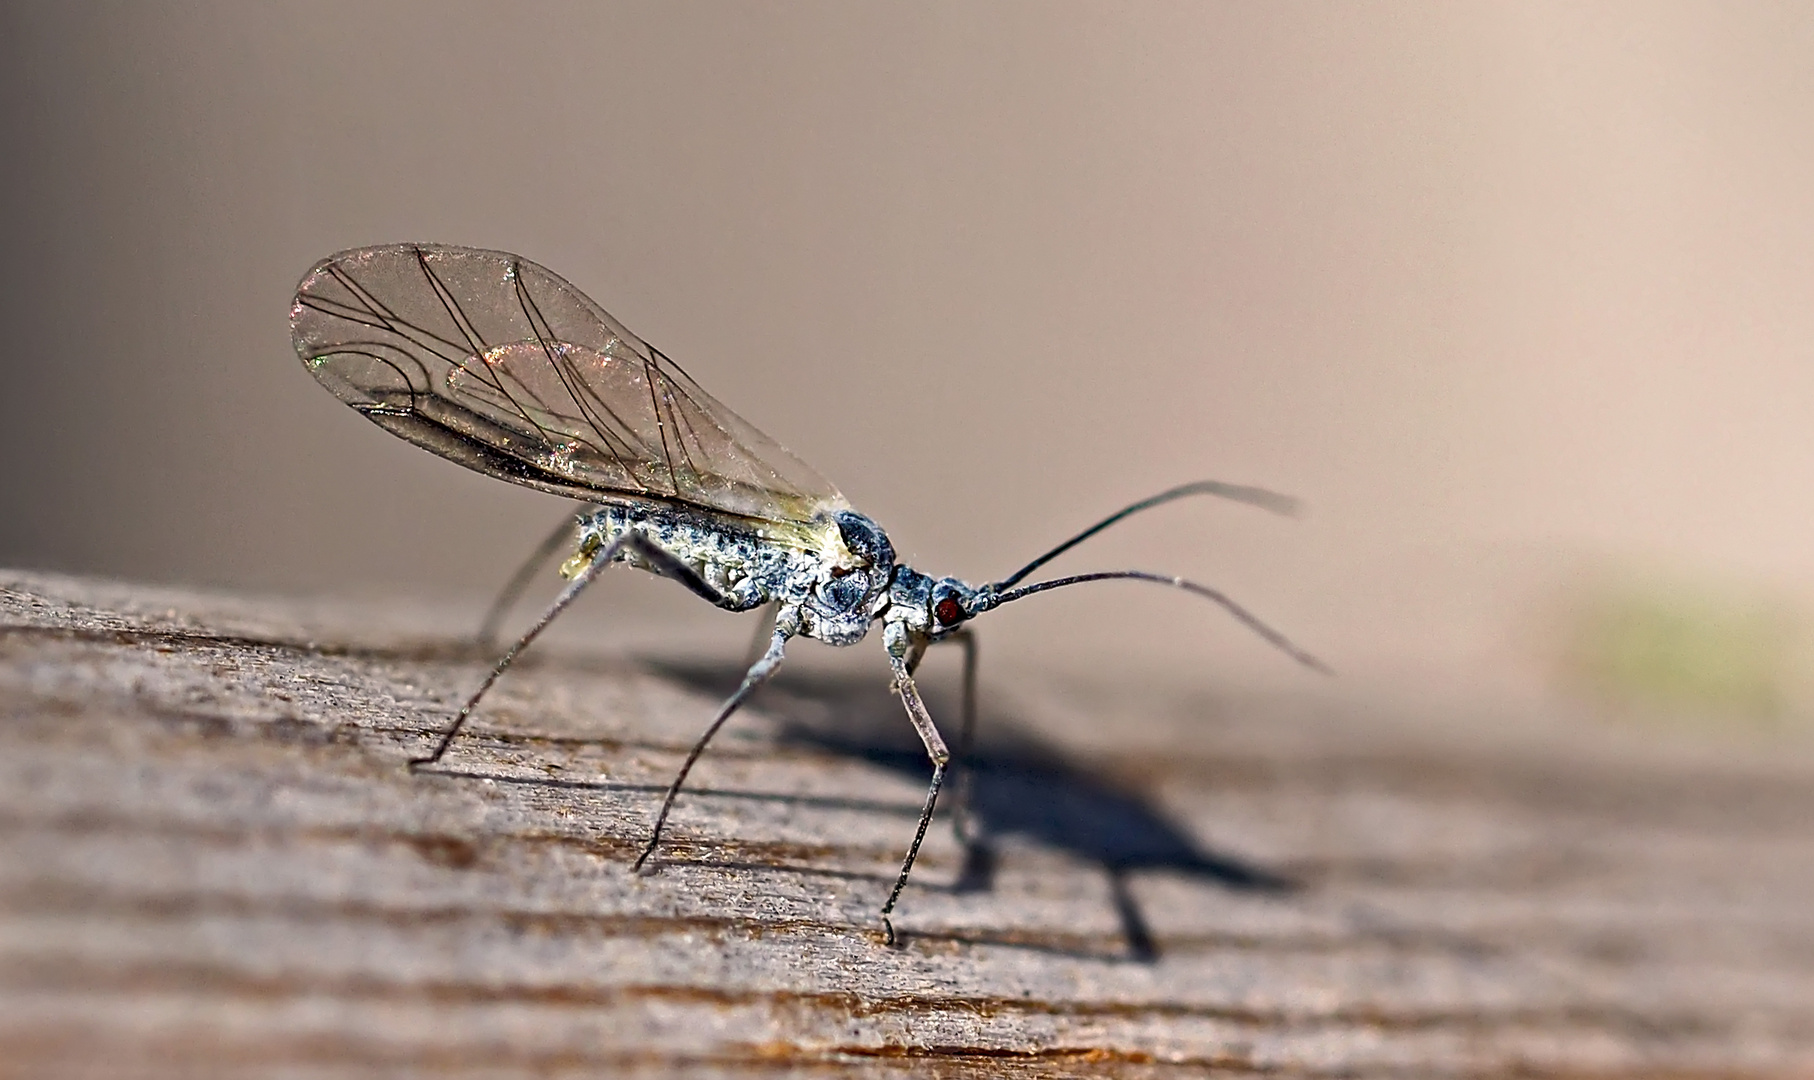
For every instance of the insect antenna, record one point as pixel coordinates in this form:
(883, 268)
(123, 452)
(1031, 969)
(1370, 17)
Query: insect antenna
(1246, 618)
(1253, 496)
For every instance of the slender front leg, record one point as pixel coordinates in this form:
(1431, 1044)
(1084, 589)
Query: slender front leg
(964, 774)
(966, 742)
(513, 589)
(632, 541)
(785, 627)
(935, 749)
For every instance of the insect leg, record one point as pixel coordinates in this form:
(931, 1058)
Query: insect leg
(580, 580)
(513, 589)
(935, 749)
(765, 627)
(963, 775)
(670, 566)
(631, 541)
(966, 742)
(758, 674)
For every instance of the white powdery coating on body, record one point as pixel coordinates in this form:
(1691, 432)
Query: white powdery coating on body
(748, 570)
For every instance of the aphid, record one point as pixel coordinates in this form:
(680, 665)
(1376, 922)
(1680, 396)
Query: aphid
(491, 361)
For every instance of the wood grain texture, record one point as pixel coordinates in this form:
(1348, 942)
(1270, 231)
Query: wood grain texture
(213, 861)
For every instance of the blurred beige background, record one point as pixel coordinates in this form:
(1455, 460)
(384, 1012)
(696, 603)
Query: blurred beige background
(1509, 293)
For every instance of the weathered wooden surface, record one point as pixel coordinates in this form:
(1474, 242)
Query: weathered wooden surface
(212, 860)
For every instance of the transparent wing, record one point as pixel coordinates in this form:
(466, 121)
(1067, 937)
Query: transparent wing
(494, 362)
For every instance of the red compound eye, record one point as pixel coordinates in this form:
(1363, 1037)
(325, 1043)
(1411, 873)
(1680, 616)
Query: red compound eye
(947, 611)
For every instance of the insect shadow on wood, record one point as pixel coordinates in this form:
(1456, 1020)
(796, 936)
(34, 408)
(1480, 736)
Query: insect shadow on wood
(496, 363)
(1013, 784)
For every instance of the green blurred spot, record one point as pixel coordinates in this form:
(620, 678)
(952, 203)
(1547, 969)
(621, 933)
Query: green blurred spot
(1688, 648)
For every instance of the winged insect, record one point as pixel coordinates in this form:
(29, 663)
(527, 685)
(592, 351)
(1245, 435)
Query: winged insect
(492, 361)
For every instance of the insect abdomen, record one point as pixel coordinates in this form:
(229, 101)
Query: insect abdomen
(746, 571)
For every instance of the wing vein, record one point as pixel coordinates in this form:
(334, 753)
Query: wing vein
(492, 361)
(545, 337)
